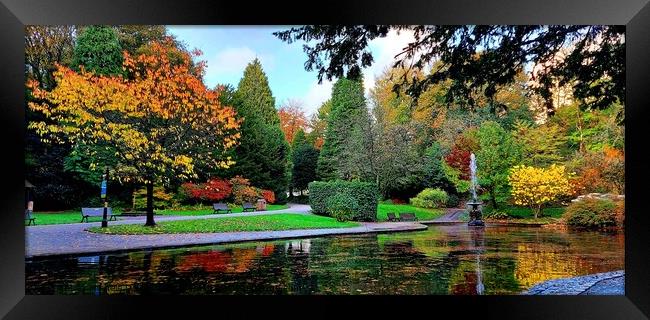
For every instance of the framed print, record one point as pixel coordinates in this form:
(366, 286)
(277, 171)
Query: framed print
(483, 158)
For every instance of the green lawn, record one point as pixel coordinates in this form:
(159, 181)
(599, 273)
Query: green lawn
(283, 221)
(74, 216)
(420, 213)
(209, 210)
(70, 216)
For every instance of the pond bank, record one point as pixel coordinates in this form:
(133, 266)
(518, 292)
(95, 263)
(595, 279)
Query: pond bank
(73, 240)
(607, 283)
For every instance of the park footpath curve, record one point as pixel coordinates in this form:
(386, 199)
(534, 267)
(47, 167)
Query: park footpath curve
(73, 239)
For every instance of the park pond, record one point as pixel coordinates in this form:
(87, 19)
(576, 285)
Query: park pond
(444, 259)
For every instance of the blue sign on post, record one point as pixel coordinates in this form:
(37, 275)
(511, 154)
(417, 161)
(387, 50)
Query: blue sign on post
(103, 189)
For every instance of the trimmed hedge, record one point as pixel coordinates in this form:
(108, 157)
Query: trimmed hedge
(365, 194)
(342, 207)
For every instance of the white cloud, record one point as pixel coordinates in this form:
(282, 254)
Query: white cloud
(234, 60)
(315, 96)
(384, 51)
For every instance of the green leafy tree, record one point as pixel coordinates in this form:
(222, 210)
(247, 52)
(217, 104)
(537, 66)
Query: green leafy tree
(498, 152)
(135, 37)
(318, 125)
(397, 164)
(305, 159)
(299, 139)
(263, 152)
(541, 144)
(344, 130)
(434, 171)
(98, 50)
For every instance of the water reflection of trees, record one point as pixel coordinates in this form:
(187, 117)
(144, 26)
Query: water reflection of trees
(445, 260)
(581, 253)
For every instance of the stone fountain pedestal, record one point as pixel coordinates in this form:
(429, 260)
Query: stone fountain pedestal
(475, 214)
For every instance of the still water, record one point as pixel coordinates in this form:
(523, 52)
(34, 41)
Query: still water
(440, 260)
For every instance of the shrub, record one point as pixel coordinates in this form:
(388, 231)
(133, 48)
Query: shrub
(242, 191)
(497, 215)
(430, 198)
(211, 191)
(620, 213)
(535, 187)
(246, 194)
(216, 190)
(452, 201)
(365, 194)
(342, 207)
(190, 191)
(268, 195)
(592, 213)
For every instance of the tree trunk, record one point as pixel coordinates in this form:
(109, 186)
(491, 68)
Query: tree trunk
(538, 210)
(150, 221)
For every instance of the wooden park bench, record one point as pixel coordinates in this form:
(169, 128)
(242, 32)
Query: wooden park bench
(29, 218)
(221, 207)
(407, 216)
(248, 206)
(392, 217)
(96, 212)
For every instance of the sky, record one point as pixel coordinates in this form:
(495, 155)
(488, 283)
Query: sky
(228, 49)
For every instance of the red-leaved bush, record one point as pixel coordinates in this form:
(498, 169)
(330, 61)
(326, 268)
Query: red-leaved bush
(268, 195)
(191, 190)
(213, 190)
(216, 190)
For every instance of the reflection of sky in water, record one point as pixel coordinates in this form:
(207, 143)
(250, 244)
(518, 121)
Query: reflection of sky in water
(440, 260)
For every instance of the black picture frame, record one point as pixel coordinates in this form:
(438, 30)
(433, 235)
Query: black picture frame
(14, 14)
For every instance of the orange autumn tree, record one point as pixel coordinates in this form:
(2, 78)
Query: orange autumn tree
(292, 119)
(157, 122)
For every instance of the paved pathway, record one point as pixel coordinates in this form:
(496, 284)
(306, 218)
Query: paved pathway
(73, 239)
(452, 215)
(608, 283)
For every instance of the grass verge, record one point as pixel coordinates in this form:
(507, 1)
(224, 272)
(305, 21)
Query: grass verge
(421, 213)
(63, 217)
(284, 221)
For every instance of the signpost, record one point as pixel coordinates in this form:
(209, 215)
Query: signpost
(105, 198)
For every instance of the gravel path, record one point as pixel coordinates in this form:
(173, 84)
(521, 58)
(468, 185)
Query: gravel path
(608, 283)
(73, 239)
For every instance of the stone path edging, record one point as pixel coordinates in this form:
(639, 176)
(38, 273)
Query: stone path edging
(607, 283)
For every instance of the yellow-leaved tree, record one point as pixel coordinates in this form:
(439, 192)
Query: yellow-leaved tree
(157, 122)
(534, 187)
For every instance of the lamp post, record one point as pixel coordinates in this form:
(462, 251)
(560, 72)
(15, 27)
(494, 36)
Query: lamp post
(105, 198)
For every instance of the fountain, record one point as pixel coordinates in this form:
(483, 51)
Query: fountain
(475, 215)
